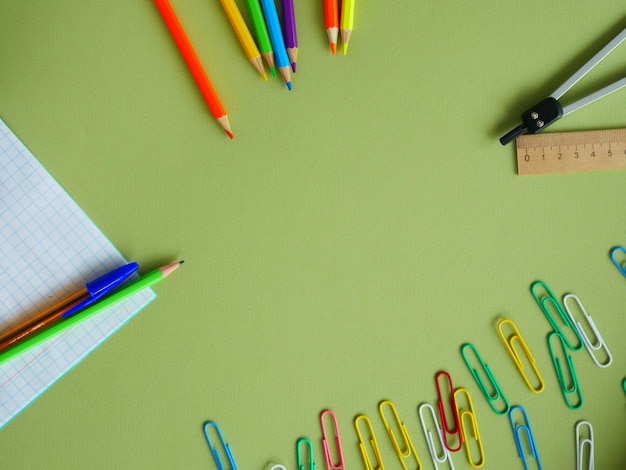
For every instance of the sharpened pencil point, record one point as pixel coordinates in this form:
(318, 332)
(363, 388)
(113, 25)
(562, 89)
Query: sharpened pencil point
(293, 67)
(230, 134)
(274, 72)
(333, 47)
(289, 85)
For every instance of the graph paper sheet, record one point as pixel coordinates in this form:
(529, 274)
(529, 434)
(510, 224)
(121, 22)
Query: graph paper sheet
(49, 248)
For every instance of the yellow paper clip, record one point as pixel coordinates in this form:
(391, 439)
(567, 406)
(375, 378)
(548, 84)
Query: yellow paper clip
(409, 448)
(366, 458)
(225, 447)
(592, 346)
(330, 462)
(304, 441)
(534, 453)
(550, 299)
(469, 413)
(509, 341)
(581, 444)
(570, 387)
(492, 397)
(435, 455)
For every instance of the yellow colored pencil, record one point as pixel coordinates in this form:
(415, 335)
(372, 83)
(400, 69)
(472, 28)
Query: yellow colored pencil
(243, 33)
(347, 22)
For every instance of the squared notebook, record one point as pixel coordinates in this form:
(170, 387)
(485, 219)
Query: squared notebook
(49, 248)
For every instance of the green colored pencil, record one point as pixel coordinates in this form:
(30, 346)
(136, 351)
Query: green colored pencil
(262, 34)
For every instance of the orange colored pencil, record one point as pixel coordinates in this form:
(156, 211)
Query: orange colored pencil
(331, 14)
(198, 72)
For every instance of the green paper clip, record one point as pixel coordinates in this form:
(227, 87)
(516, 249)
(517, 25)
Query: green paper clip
(573, 388)
(543, 303)
(498, 394)
(301, 441)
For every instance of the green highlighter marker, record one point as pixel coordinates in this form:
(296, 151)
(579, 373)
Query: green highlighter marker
(140, 284)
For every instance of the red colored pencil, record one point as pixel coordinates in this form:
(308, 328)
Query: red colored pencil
(331, 14)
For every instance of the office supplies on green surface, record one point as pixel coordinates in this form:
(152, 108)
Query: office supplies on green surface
(377, 462)
(509, 340)
(334, 460)
(211, 427)
(475, 441)
(433, 448)
(492, 392)
(569, 385)
(585, 458)
(530, 438)
(594, 344)
(403, 450)
(546, 112)
(127, 292)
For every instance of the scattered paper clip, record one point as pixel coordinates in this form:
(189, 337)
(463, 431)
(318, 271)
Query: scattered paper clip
(278, 467)
(497, 394)
(447, 431)
(621, 266)
(624, 385)
(469, 413)
(551, 299)
(409, 448)
(567, 389)
(436, 456)
(330, 462)
(214, 451)
(529, 434)
(366, 458)
(581, 444)
(509, 341)
(304, 441)
(592, 346)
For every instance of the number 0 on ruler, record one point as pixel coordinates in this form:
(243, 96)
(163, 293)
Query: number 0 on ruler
(567, 152)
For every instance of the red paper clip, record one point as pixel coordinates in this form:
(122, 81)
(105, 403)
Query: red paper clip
(456, 430)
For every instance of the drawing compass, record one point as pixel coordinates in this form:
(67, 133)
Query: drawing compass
(546, 112)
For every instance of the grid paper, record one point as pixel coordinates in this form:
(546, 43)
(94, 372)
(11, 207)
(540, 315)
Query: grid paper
(49, 248)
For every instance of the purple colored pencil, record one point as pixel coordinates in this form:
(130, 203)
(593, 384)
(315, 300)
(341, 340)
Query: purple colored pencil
(291, 34)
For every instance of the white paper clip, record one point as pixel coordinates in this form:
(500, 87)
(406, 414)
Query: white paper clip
(581, 443)
(438, 457)
(592, 346)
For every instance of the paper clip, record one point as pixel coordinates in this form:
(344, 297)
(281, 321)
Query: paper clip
(469, 413)
(529, 434)
(581, 443)
(624, 385)
(437, 457)
(498, 394)
(591, 346)
(543, 303)
(621, 266)
(366, 459)
(330, 462)
(409, 448)
(214, 451)
(509, 341)
(456, 430)
(304, 441)
(566, 389)
(278, 467)
(550, 109)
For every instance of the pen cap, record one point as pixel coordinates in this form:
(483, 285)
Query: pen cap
(104, 284)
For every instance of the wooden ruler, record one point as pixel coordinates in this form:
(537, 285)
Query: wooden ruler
(566, 152)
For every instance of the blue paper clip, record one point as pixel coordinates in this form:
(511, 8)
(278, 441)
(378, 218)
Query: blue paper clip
(497, 394)
(471, 416)
(409, 448)
(551, 299)
(366, 458)
(330, 462)
(214, 451)
(618, 264)
(304, 441)
(571, 388)
(435, 455)
(592, 346)
(529, 434)
(581, 444)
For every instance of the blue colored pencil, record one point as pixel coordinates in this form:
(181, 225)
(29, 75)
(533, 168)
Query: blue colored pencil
(278, 42)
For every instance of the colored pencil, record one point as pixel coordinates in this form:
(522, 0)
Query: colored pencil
(331, 14)
(198, 72)
(262, 35)
(278, 41)
(243, 33)
(347, 22)
(291, 33)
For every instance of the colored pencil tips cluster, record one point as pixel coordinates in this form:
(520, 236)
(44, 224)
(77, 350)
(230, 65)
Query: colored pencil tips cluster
(337, 23)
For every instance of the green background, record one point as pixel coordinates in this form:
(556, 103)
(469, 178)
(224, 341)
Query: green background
(342, 248)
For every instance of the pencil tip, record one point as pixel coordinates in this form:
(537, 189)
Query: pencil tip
(293, 67)
(264, 76)
(181, 261)
(289, 85)
(230, 134)
(333, 47)
(273, 72)
(345, 48)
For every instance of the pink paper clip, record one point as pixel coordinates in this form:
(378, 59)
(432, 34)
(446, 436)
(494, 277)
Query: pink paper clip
(330, 462)
(455, 414)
